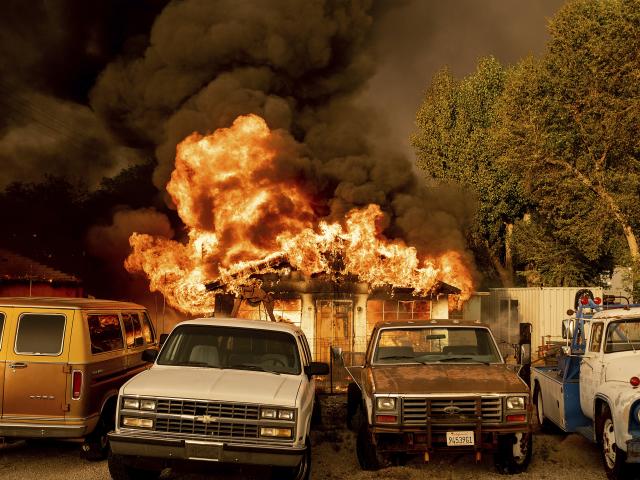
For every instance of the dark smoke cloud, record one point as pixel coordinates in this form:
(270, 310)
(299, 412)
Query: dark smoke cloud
(418, 38)
(154, 72)
(50, 55)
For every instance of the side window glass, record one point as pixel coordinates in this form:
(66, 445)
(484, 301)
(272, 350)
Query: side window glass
(133, 330)
(40, 334)
(105, 333)
(596, 337)
(147, 329)
(1, 328)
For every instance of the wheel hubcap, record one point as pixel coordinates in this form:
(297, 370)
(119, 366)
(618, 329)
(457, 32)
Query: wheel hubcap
(608, 443)
(540, 410)
(520, 447)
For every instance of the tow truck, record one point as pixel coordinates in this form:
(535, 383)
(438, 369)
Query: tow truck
(594, 388)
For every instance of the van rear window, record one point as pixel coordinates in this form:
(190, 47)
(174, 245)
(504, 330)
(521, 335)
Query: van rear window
(105, 333)
(40, 334)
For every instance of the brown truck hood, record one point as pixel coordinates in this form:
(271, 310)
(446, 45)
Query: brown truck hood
(445, 379)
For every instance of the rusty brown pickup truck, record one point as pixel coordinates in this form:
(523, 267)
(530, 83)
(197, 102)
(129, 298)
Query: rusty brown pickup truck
(438, 385)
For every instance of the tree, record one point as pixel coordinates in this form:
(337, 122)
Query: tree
(569, 123)
(454, 144)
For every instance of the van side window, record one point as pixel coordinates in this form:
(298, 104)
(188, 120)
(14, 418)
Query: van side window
(105, 333)
(147, 329)
(40, 334)
(133, 330)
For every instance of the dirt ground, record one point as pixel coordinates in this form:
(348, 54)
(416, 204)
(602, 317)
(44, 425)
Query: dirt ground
(556, 455)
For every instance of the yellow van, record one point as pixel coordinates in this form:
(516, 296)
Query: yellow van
(62, 361)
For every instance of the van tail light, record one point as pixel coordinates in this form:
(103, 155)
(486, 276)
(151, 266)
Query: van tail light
(77, 384)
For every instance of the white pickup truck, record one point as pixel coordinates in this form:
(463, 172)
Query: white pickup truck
(594, 390)
(220, 390)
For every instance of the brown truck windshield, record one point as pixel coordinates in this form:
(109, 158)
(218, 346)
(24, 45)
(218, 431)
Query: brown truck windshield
(436, 345)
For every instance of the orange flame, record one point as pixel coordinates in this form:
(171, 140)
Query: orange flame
(240, 213)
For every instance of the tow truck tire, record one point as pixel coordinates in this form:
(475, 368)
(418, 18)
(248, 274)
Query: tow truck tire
(301, 472)
(368, 456)
(613, 459)
(512, 458)
(119, 469)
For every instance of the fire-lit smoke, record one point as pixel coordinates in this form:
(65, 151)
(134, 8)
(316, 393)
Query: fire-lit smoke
(242, 214)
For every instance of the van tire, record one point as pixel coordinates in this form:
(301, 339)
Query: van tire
(120, 469)
(96, 444)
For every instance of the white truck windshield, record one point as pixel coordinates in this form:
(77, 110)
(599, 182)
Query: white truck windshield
(232, 348)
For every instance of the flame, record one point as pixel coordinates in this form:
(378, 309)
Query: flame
(243, 216)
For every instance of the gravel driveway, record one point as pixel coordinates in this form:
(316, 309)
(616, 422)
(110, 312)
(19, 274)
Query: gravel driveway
(569, 457)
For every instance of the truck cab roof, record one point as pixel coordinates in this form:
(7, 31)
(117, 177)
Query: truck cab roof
(447, 322)
(244, 323)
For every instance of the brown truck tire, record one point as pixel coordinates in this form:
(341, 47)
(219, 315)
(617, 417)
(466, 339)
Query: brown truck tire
(511, 458)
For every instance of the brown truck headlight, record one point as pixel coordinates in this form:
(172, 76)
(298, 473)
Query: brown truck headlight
(516, 403)
(385, 404)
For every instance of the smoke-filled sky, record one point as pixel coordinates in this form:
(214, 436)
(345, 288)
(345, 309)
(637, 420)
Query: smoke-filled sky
(90, 88)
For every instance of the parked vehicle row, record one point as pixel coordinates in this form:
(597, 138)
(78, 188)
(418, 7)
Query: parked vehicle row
(243, 391)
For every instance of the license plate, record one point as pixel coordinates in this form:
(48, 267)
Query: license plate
(459, 439)
(203, 451)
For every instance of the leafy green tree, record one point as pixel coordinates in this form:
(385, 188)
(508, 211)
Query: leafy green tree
(569, 124)
(454, 144)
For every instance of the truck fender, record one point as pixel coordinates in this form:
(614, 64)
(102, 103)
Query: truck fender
(598, 404)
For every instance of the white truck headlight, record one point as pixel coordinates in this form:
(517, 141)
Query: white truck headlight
(131, 403)
(385, 403)
(147, 404)
(515, 403)
(276, 432)
(285, 414)
(137, 422)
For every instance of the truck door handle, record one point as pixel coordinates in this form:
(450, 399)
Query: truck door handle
(18, 365)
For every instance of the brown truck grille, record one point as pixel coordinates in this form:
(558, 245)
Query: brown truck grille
(214, 429)
(235, 411)
(416, 410)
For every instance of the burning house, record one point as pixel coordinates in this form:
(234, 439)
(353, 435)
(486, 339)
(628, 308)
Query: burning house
(258, 245)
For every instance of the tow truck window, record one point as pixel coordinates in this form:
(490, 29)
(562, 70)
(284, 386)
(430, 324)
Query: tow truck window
(435, 345)
(623, 336)
(596, 337)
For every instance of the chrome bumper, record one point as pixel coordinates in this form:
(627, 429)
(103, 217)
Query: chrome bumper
(135, 445)
(33, 430)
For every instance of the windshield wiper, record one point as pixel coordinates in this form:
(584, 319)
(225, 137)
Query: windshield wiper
(257, 368)
(191, 364)
(402, 357)
(445, 360)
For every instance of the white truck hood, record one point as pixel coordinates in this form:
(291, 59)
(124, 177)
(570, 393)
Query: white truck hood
(214, 384)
